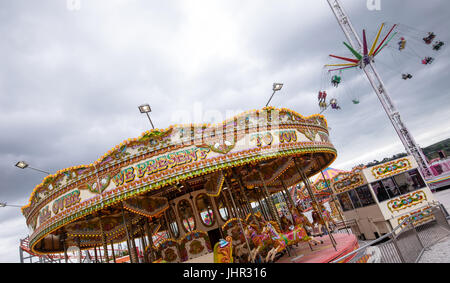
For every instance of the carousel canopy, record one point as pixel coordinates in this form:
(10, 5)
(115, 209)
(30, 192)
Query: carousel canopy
(269, 147)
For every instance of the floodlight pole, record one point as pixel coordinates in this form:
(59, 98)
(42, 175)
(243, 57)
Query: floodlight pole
(276, 87)
(24, 165)
(39, 170)
(267, 104)
(150, 120)
(380, 90)
(4, 204)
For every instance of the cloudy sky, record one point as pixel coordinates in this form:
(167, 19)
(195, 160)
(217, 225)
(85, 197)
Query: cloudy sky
(71, 79)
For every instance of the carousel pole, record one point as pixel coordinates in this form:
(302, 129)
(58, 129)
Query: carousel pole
(240, 221)
(287, 204)
(270, 215)
(95, 254)
(79, 248)
(264, 202)
(133, 243)
(314, 200)
(64, 237)
(105, 246)
(191, 205)
(112, 248)
(231, 212)
(215, 209)
(142, 245)
(334, 200)
(290, 197)
(237, 212)
(142, 239)
(238, 178)
(263, 211)
(149, 239)
(167, 225)
(271, 204)
(127, 233)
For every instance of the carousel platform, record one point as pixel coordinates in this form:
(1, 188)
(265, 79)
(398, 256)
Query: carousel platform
(322, 253)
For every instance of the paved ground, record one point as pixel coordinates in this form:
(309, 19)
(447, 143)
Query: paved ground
(440, 252)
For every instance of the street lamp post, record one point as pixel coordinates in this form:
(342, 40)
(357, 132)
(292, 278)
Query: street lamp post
(4, 204)
(276, 87)
(145, 108)
(23, 165)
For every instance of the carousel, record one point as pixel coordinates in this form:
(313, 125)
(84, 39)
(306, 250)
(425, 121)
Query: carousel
(189, 193)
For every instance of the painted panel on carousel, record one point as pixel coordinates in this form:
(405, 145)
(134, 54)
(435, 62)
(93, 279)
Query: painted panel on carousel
(214, 184)
(419, 216)
(349, 182)
(147, 206)
(223, 251)
(406, 201)
(112, 227)
(391, 168)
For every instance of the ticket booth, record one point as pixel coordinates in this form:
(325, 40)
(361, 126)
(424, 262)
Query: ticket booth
(378, 198)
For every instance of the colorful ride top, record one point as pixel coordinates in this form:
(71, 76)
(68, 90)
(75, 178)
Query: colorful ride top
(84, 205)
(361, 60)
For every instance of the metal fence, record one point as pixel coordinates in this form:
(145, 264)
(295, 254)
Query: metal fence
(407, 242)
(347, 227)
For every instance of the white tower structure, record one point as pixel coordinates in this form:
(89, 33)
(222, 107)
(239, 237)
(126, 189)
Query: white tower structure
(375, 80)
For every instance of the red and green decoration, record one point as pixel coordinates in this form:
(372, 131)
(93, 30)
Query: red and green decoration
(361, 60)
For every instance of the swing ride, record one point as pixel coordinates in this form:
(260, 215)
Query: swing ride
(364, 58)
(361, 58)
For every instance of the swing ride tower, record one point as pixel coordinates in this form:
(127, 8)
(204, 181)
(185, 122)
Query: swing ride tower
(366, 64)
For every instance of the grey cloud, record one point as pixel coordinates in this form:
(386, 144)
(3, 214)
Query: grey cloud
(70, 82)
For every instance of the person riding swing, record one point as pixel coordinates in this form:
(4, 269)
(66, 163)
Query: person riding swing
(401, 44)
(429, 38)
(336, 80)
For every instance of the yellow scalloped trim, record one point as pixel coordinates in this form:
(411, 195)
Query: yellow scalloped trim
(130, 140)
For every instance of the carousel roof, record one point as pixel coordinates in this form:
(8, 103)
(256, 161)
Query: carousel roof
(257, 148)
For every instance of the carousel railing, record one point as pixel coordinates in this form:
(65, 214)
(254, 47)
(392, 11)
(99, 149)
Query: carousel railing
(406, 242)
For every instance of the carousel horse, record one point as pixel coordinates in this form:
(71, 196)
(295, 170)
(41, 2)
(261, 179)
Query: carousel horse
(301, 220)
(278, 241)
(233, 228)
(296, 235)
(264, 243)
(327, 217)
(324, 220)
(241, 251)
